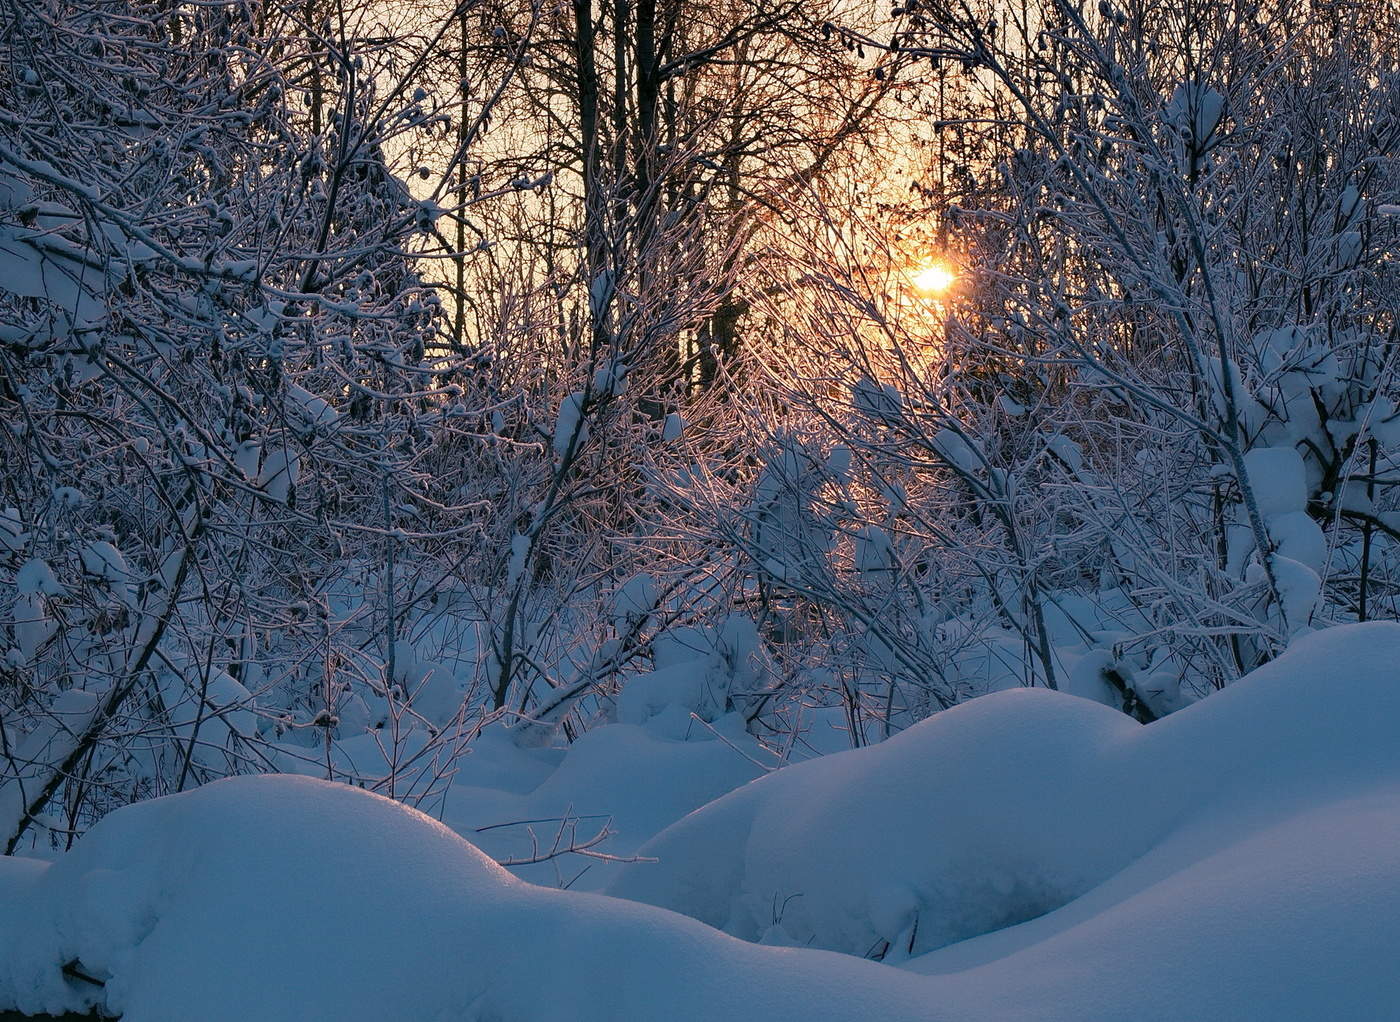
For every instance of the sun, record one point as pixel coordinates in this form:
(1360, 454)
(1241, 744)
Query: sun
(933, 279)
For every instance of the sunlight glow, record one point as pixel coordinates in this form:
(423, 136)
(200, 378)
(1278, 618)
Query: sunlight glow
(933, 279)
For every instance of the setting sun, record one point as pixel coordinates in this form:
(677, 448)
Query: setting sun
(933, 279)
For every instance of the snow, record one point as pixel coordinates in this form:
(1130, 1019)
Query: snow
(52, 740)
(519, 552)
(1299, 587)
(956, 449)
(104, 561)
(874, 552)
(610, 378)
(1277, 478)
(829, 850)
(635, 780)
(314, 411)
(32, 624)
(1349, 202)
(291, 899)
(875, 400)
(246, 458)
(1066, 450)
(14, 190)
(600, 293)
(281, 468)
(35, 576)
(1349, 247)
(1254, 916)
(209, 717)
(1196, 110)
(634, 600)
(1044, 858)
(38, 265)
(1299, 538)
(569, 427)
(1026, 800)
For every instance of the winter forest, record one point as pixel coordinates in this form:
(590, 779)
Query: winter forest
(639, 510)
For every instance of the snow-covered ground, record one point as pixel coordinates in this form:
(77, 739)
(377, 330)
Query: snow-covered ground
(1026, 855)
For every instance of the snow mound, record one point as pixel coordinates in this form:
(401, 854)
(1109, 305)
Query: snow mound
(286, 899)
(619, 776)
(1238, 860)
(1263, 916)
(1012, 805)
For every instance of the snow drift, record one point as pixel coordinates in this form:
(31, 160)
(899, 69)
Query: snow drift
(286, 899)
(1014, 804)
(1238, 860)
